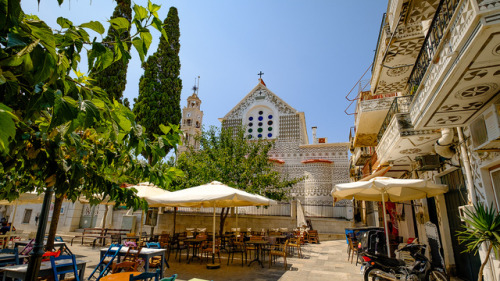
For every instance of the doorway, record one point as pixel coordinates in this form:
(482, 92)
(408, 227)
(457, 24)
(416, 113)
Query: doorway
(467, 264)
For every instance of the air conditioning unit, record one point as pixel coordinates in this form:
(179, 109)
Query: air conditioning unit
(485, 130)
(462, 211)
(428, 162)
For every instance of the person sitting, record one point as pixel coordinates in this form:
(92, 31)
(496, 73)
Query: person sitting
(6, 227)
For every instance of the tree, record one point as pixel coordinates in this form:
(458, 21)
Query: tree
(61, 133)
(113, 79)
(160, 86)
(227, 156)
(482, 227)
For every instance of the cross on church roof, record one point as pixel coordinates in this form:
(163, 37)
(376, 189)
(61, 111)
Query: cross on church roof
(260, 74)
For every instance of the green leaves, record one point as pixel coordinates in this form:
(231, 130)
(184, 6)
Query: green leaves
(140, 12)
(120, 23)
(8, 124)
(94, 25)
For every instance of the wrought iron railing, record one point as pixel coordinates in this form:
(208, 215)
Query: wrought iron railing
(441, 20)
(399, 105)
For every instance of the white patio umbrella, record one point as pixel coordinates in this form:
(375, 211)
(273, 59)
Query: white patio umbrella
(145, 190)
(388, 189)
(214, 194)
(301, 219)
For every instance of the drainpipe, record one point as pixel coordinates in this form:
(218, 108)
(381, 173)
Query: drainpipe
(443, 145)
(468, 172)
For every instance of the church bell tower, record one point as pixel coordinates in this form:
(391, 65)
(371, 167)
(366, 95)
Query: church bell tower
(192, 118)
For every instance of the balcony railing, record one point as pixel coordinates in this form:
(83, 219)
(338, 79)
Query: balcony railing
(399, 105)
(442, 18)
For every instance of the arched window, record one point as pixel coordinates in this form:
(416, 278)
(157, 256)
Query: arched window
(260, 122)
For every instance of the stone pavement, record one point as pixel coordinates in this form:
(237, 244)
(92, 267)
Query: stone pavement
(325, 261)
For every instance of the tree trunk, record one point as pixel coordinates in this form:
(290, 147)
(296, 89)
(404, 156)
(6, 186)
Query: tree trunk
(480, 275)
(55, 220)
(223, 216)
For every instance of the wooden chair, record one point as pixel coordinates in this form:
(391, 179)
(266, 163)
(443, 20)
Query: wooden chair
(156, 261)
(126, 266)
(313, 236)
(14, 261)
(148, 276)
(58, 271)
(278, 251)
(171, 278)
(235, 247)
(295, 243)
(106, 261)
(353, 245)
(207, 249)
(252, 248)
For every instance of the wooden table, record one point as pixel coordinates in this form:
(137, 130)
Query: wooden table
(24, 243)
(258, 246)
(19, 271)
(122, 276)
(195, 242)
(146, 254)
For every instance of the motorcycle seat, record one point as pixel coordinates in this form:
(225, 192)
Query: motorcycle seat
(391, 262)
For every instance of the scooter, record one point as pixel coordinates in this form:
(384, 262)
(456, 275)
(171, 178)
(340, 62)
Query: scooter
(380, 267)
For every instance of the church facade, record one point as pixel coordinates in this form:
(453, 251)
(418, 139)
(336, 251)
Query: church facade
(266, 116)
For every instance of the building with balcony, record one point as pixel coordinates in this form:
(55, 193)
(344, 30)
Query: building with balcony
(440, 59)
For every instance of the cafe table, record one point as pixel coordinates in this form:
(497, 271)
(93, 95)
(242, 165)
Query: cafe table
(258, 246)
(121, 276)
(146, 254)
(195, 242)
(19, 271)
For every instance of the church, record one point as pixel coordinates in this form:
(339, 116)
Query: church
(266, 116)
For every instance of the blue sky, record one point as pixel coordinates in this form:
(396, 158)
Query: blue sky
(311, 52)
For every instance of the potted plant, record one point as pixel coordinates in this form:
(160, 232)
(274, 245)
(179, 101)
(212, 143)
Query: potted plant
(482, 225)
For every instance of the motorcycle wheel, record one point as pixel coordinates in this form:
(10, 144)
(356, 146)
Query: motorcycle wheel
(370, 274)
(436, 275)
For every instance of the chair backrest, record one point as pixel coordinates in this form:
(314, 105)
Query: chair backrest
(131, 244)
(146, 276)
(171, 278)
(14, 252)
(124, 266)
(28, 248)
(58, 239)
(255, 238)
(153, 245)
(68, 266)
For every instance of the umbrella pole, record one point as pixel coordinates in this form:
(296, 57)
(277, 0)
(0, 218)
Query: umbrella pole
(142, 223)
(213, 265)
(386, 228)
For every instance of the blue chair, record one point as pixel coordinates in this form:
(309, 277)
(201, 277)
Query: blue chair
(61, 268)
(15, 258)
(148, 276)
(171, 278)
(156, 245)
(107, 259)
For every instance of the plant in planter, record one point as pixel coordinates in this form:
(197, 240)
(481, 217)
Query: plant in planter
(481, 226)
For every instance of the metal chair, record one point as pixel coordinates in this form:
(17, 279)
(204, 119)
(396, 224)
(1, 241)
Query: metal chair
(60, 268)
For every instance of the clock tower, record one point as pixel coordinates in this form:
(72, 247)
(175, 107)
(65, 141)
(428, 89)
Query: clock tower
(192, 118)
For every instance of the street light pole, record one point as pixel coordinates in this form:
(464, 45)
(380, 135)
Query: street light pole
(37, 253)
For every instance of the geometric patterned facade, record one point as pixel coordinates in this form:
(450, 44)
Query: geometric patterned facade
(266, 116)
